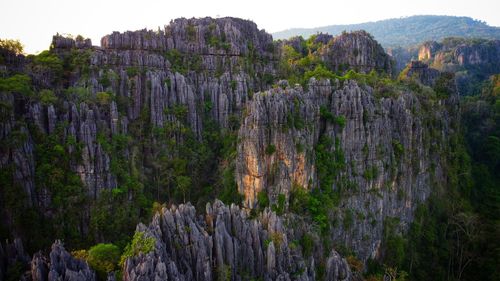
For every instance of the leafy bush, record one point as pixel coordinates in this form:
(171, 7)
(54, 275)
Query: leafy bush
(132, 71)
(11, 45)
(370, 173)
(299, 198)
(263, 199)
(103, 98)
(270, 149)
(398, 148)
(191, 32)
(320, 72)
(140, 244)
(50, 61)
(307, 243)
(47, 97)
(104, 258)
(18, 83)
(279, 208)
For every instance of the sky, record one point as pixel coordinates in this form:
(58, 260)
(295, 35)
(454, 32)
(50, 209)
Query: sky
(33, 22)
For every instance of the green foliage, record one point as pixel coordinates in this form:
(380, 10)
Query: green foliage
(262, 199)
(270, 149)
(370, 173)
(328, 116)
(307, 243)
(133, 71)
(328, 163)
(230, 192)
(11, 45)
(18, 83)
(53, 174)
(299, 198)
(348, 220)
(191, 32)
(49, 61)
(104, 98)
(176, 60)
(47, 97)
(320, 72)
(279, 207)
(398, 148)
(140, 244)
(104, 258)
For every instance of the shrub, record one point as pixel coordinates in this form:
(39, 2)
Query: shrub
(320, 72)
(47, 97)
(279, 208)
(103, 98)
(299, 197)
(370, 173)
(262, 199)
(340, 120)
(191, 32)
(270, 149)
(140, 244)
(398, 148)
(104, 258)
(355, 264)
(132, 71)
(50, 61)
(12, 46)
(16, 84)
(307, 243)
(277, 238)
(348, 219)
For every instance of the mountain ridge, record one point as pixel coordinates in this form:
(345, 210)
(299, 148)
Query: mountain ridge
(391, 32)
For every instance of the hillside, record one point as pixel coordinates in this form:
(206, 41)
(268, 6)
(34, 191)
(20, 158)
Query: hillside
(407, 31)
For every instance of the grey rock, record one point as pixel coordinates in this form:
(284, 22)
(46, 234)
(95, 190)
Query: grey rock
(60, 267)
(388, 151)
(225, 243)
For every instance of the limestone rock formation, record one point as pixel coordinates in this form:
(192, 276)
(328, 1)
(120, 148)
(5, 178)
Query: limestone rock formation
(388, 165)
(472, 61)
(356, 50)
(60, 265)
(422, 72)
(224, 244)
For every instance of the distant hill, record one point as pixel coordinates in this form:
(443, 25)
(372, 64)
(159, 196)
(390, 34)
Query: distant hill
(407, 31)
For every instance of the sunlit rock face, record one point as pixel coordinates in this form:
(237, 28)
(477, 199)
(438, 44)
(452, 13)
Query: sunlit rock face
(389, 164)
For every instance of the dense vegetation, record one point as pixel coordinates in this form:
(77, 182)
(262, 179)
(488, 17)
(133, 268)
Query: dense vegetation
(408, 31)
(457, 238)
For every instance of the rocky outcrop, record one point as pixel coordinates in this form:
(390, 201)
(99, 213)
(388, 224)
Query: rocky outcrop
(453, 53)
(421, 72)
(60, 266)
(224, 244)
(356, 50)
(472, 60)
(388, 164)
(61, 42)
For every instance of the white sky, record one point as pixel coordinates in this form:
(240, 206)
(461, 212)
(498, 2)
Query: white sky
(35, 21)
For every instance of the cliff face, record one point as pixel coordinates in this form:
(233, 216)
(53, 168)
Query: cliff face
(473, 61)
(389, 163)
(357, 50)
(224, 244)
